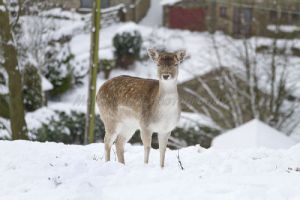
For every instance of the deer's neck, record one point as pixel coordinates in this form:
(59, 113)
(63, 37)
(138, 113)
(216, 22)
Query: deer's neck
(168, 88)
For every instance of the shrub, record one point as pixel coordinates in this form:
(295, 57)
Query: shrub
(67, 128)
(296, 51)
(4, 99)
(106, 66)
(2, 79)
(127, 48)
(59, 68)
(262, 49)
(4, 106)
(202, 135)
(32, 88)
(4, 133)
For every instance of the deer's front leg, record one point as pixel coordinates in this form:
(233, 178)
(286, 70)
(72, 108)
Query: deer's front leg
(146, 136)
(163, 141)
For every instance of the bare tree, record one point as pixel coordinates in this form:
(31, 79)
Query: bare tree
(10, 63)
(258, 81)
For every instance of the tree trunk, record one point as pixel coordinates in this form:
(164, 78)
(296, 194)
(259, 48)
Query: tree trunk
(90, 116)
(16, 107)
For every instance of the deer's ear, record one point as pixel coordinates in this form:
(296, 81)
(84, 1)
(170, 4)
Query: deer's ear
(153, 54)
(180, 55)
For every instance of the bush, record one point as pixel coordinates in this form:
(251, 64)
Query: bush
(202, 135)
(4, 106)
(58, 68)
(67, 128)
(2, 79)
(262, 49)
(32, 88)
(4, 133)
(127, 48)
(296, 51)
(106, 66)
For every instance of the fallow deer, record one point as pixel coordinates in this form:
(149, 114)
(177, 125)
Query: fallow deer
(127, 104)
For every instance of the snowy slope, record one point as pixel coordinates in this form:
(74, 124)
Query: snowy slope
(50, 171)
(253, 134)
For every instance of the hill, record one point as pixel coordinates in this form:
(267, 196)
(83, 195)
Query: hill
(32, 170)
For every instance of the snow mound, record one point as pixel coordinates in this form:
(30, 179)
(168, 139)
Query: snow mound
(154, 15)
(169, 2)
(283, 28)
(253, 134)
(46, 84)
(51, 171)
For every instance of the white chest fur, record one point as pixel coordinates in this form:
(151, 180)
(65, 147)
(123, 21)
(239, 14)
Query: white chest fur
(167, 114)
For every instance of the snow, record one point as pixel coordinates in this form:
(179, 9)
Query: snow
(128, 27)
(169, 2)
(284, 28)
(4, 123)
(46, 85)
(4, 133)
(35, 119)
(3, 89)
(60, 13)
(113, 8)
(253, 134)
(2, 8)
(32, 170)
(154, 16)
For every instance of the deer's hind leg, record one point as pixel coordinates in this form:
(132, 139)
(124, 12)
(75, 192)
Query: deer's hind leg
(109, 138)
(125, 132)
(120, 143)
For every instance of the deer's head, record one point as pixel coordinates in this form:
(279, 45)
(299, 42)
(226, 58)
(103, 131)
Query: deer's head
(167, 63)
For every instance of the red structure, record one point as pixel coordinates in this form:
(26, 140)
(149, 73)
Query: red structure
(187, 18)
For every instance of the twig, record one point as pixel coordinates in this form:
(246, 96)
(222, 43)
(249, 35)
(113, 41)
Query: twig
(179, 161)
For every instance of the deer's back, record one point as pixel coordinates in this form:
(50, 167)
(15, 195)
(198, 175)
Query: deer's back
(133, 93)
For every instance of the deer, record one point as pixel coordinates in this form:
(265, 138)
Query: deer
(127, 104)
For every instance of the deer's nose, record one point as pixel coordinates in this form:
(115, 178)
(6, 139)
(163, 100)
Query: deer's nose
(166, 76)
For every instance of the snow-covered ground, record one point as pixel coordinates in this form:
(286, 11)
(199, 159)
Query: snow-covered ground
(253, 134)
(32, 170)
